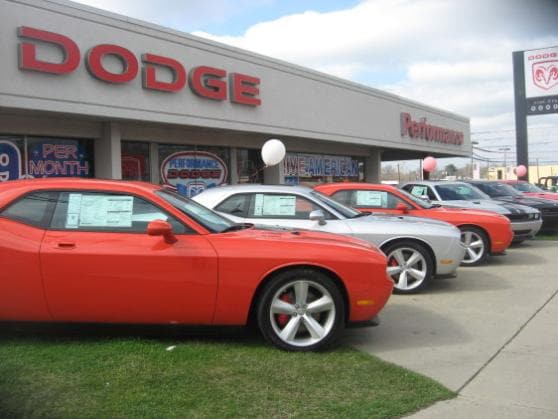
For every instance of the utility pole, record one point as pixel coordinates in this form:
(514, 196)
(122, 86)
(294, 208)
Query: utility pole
(505, 150)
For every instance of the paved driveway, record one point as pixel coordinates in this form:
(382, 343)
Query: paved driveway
(490, 334)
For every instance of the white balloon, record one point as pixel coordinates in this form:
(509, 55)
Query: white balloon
(273, 151)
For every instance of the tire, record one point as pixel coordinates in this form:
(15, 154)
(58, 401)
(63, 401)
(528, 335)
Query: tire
(476, 242)
(288, 316)
(409, 279)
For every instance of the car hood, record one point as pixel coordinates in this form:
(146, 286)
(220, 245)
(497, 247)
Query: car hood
(463, 211)
(538, 203)
(543, 195)
(277, 233)
(500, 207)
(400, 224)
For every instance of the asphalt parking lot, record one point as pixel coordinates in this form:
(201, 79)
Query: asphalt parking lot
(489, 334)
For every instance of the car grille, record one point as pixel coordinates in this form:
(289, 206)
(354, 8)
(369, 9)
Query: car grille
(518, 217)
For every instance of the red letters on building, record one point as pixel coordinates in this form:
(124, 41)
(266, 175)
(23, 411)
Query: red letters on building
(208, 82)
(204, 81)
(28, 52)
(97, 69)
(150, 73)
(244, 89)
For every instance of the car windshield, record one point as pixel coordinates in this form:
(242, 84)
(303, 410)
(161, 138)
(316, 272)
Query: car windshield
(459, 191)
(420, 202)
(345, 211)
(497, 189)
(526, 187)
(204, 216)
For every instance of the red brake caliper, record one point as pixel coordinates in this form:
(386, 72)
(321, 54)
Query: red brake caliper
(283, 319)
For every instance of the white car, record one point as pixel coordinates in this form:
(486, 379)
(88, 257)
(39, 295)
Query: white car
(417, 248)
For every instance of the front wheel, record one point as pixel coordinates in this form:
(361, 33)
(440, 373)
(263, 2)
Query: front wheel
(477, 246)
(409, 265)
(301, 310)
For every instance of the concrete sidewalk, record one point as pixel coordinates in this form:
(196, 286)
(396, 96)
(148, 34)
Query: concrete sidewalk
(491, 334)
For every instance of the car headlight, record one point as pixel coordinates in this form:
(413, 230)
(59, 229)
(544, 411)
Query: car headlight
(536, 216)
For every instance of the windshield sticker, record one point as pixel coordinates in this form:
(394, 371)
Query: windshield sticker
(372, 199)
(99, 211)
(275, 205)
(418, 190)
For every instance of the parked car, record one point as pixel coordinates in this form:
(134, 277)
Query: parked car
(482, 232)
(499, 191)
(129, 252)
(525, 221)
(417, 248)
(528, 189)
(548, 183)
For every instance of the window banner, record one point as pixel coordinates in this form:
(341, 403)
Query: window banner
(10, 161)
(58, 158)
(315, 165)
(191, 172)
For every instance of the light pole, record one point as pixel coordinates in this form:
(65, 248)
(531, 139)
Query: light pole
(473, 144)
(505, 150)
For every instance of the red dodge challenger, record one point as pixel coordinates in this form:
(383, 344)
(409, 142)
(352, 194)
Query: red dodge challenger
(482, 232)
(76, 250)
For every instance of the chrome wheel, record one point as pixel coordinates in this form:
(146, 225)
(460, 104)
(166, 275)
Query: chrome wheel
(302, 313)
(476, 243)
(408, 267)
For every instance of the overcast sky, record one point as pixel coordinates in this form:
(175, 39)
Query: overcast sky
(454, 55)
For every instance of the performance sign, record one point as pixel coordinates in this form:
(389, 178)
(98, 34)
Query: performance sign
(191, 172)
(541, 81)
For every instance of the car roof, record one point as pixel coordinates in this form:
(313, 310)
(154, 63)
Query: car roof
(355, 185)
(28, 185)
(435, 182)
(250, 187)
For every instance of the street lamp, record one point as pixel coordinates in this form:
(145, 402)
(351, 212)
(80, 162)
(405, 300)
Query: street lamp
(505, 149)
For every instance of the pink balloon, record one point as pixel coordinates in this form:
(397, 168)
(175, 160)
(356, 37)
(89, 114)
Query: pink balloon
(520, 170)
(429, 164)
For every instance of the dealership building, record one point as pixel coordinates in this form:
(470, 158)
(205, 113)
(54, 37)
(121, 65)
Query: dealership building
(89, 93)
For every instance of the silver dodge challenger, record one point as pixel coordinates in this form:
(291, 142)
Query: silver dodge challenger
(417, 248)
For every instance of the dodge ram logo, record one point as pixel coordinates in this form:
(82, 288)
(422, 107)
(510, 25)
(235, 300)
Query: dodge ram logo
(545, 74)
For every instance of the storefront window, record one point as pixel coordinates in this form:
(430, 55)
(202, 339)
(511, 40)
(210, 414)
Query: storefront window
(191, 169)
(59, 157)
(12, 156)
(135, 161)
(32, 157)
(312, 169)
(249, 165)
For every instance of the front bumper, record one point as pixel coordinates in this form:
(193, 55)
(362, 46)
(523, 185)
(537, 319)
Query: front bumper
(523, 230)
(451, 259)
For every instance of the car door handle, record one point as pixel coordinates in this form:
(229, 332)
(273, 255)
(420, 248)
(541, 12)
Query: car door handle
(66, 245)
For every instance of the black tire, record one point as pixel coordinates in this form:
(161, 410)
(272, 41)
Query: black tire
(296, 316)
(474, 256)
(424, 264)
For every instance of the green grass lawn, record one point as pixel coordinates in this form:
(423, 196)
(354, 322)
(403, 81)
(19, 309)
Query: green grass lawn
(90, 372)
(547, 236)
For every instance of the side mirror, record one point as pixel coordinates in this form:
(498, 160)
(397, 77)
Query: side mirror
(425, 198)
(319, 216)
(402, 207)
(161, 228)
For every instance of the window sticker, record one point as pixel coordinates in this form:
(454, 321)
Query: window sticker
(275, 205)
(372, 199)
(419, 190)
(99, 211)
